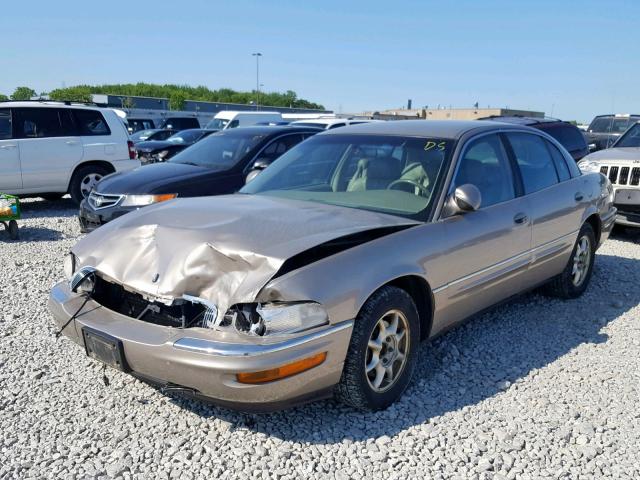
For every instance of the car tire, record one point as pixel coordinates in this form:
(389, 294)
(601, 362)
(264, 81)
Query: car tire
(574, 279)
(83, 180)
(368, 384)
(52, 197)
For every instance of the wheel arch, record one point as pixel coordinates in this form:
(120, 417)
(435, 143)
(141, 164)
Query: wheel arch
(422, 295)
(101, 163)
(596, 224)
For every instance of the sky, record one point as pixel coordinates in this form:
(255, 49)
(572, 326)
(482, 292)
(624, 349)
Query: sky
(570, 59)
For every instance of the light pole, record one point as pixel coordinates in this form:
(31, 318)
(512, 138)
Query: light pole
(257, 55)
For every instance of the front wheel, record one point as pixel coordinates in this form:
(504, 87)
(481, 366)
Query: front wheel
(83, 181)
(574, 279)
(382, 351)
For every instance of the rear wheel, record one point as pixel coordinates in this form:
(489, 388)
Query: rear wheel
(574, 279)
(382, 351)
(83, 181)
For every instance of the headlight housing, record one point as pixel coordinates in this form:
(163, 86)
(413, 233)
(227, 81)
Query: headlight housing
(277, 318)
(588, 166)
(69, 265)
(144, 200)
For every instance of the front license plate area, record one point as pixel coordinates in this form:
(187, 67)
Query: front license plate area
(104, 348)
(627, 197)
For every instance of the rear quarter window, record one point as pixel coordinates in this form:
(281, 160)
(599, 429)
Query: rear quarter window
(90, 122)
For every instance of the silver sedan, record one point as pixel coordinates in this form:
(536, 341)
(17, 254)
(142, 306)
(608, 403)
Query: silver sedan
(322, 276)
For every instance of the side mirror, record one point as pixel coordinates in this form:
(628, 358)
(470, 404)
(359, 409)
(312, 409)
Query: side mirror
(466, 198)
(261, 163)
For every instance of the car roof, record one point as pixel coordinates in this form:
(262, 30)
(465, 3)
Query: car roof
(266, 130)
(618, 115)
(421, 128)
(517, 120)
(48, 104)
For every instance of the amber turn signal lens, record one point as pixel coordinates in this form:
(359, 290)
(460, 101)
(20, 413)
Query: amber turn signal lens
(164, 197)
(282, 372)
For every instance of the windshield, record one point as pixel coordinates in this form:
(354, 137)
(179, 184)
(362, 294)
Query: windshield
(186, 136)
(389, 174)
(220, 151)
(217, 124)
(611, 124)
(631, 138)
(142, 135)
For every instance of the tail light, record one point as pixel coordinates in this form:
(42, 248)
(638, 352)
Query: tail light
(132, 151)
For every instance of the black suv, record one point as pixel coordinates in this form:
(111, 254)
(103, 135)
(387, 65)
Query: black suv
(568, 135)
(604, 130)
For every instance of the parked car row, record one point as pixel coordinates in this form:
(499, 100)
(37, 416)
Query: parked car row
(216, 165)
(324, 273)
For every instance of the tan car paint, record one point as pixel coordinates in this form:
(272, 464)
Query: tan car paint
(229, 254)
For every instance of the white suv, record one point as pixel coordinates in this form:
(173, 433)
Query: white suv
(48, 149)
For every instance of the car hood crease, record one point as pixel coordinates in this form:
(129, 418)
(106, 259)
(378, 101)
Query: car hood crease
(224, 249)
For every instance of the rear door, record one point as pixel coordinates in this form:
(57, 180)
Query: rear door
(489, 249)
(49, 147)
(10, 174)
(557, 201)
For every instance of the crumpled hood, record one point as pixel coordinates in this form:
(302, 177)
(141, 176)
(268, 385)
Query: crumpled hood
(224, 248)
(621, 154)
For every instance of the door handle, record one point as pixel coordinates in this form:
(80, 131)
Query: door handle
(520, 219)
(71, 142)
(7, 147)
(579, 196)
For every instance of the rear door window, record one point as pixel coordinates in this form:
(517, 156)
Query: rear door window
(5, 124)
(534, 160)
(485, 165)
(40, 123)
(90, 122)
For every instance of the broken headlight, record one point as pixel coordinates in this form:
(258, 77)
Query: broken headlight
(276, 318)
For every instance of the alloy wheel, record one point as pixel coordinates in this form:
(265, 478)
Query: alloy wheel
(387, 350)
(581, 261)
(88, 182)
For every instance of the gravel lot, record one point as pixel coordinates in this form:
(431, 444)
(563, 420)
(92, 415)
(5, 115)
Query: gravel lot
(534, 389)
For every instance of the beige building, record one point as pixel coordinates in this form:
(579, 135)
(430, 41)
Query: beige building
(450, 113)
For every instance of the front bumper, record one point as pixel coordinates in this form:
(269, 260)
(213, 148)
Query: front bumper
(90, 219)
(205, 362)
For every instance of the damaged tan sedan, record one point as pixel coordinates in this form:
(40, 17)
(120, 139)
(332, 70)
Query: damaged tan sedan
(322, 276)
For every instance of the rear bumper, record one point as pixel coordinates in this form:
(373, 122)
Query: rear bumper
(204, 362)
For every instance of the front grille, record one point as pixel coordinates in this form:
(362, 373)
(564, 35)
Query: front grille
(100, 200)
(613, 174)
(624, 176)
(604, 170)
(114, 297)
(635, 176)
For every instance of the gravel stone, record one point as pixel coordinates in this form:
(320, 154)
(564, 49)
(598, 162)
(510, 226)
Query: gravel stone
(536, 388)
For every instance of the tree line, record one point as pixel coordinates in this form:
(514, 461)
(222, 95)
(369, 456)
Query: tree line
(177, 94)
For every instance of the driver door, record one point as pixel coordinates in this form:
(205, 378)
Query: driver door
(488, 249)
